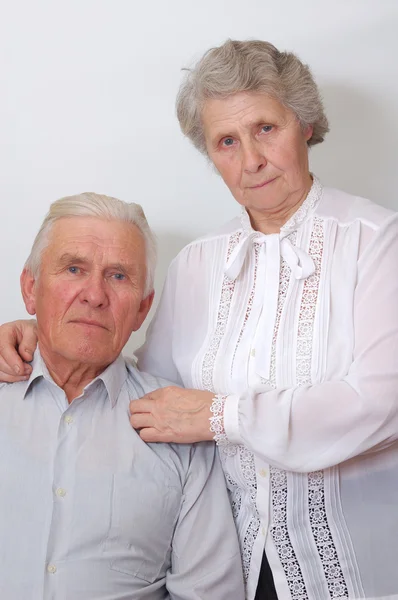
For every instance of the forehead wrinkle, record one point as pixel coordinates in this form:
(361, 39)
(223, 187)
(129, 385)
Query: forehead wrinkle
(239, 113)
(125, 247)
(99, 255)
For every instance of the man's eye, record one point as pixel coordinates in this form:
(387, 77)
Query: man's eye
(228, 141)
(73, 270)
(266, 128)
(119, 276)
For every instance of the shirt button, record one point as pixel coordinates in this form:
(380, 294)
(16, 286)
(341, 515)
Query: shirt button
(52, 569)
(263, 531)
(60, 492)
(68, 420)
(253, 352)
(263, 473)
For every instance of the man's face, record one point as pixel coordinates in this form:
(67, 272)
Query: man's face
(89, 295)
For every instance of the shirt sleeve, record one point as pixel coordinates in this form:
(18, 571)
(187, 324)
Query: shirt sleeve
(316, 426)
(206, 561)
(156, 354)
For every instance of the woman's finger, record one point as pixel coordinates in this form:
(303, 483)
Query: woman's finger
(10, 362)
(150, 434)
(142, 420)
(28, 339)
(6, 378)
(143, 405)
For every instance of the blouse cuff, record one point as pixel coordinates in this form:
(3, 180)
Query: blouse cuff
(217, 420)
(231, 419)
(225, 422)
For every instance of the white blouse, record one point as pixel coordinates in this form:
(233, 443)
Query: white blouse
(299, 330)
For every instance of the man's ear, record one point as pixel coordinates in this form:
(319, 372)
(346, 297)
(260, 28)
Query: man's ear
(28, 289)
(144, 309)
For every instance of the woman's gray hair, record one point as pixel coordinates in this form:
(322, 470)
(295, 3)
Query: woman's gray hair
(89, 204)
(251, 66)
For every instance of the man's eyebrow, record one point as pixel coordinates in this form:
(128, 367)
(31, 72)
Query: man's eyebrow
(129, 268)
(68, 258)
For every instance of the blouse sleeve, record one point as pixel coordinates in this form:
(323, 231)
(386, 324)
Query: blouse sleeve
(316, 426)
(156, 355)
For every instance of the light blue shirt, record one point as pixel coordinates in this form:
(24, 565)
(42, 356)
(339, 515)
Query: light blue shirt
(88, 511)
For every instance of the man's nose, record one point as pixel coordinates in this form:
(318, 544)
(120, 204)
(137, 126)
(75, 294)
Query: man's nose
(253, 157)
(94, 292)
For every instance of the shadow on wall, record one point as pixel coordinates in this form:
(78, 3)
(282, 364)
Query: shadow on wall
(358, 154)
(169, 245)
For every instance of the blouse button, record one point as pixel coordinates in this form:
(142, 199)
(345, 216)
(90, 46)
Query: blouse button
(263, 473)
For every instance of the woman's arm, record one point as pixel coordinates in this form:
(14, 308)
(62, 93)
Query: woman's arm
(315, 426)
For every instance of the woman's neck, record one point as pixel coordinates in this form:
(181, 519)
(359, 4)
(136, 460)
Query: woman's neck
(272, 220)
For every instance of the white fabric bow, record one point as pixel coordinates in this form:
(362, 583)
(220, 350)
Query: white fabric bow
(274, 247)
(300, 262)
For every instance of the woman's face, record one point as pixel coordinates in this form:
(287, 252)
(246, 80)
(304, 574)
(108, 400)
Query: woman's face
(260, 151)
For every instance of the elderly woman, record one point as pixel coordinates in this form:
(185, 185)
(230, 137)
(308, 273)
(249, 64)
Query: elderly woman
(283, 327)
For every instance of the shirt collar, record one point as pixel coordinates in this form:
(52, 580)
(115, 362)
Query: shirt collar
(297, 218)
(113, 377)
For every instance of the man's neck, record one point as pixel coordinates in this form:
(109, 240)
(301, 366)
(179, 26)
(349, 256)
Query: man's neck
(70, 376)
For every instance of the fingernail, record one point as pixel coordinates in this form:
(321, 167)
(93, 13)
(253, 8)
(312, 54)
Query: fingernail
(28, 351)
(17, 370)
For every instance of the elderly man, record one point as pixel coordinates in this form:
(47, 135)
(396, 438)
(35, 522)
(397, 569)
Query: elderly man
(87, 509)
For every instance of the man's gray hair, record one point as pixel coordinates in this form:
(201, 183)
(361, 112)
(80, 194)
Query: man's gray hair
(89, 204)
(251, 66)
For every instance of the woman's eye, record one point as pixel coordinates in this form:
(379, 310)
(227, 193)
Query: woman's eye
(228, 141)
(73, 270)
(266, 128)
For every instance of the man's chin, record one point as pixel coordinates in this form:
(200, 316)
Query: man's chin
(89, 353)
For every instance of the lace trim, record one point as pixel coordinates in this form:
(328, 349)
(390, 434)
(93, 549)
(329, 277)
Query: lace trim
(280, 535)
(248, 543)
(284, 279)
(308, 307)
(307, 207)
(227, 292)
(316, 484)
(246, 458)
(323, 538)
(248, 469)
(217, 420)
(235, 494)
(279, 529)
(250, 301)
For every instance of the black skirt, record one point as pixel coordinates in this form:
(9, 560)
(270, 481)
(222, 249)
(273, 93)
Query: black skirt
(265, 587)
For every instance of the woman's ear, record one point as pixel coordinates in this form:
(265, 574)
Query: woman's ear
(308, 131)
(28, 289)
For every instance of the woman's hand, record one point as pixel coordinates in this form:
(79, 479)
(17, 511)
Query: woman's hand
(173, 415)
(18, 341)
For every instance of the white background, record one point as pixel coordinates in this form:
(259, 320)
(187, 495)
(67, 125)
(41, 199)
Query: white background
(87, 104)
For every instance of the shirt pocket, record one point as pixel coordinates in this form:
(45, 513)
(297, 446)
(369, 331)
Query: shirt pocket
(144, 512)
